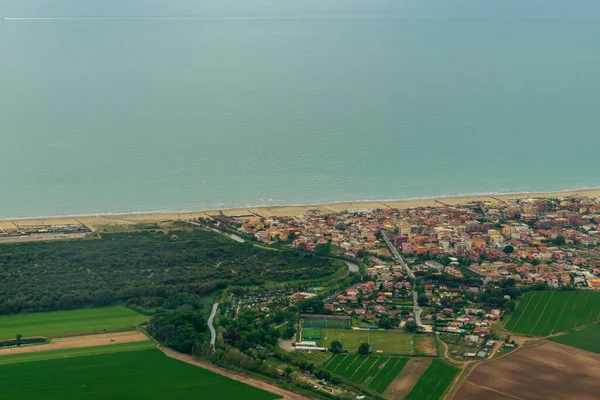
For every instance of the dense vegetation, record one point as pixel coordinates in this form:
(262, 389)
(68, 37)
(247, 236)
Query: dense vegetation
(150, 270)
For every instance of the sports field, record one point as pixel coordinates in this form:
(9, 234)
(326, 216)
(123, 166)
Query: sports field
(134, 375)
(391, 342)
(70, 323)
(546, 313)
(326, 323)
(311, 334)
(372, 372)
(433, 383)
(585, 339)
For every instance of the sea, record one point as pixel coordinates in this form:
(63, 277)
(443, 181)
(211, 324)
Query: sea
(111, 106)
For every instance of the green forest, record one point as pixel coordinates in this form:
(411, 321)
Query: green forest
(148, 270)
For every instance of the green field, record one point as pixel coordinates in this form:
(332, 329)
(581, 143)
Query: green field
(546, 313)
(326, 323)
(372, 372)
(434, 382)
(84, 351)
(392, 342)
(66, 323)
(311, 334)
(585, 339)
(139, 374)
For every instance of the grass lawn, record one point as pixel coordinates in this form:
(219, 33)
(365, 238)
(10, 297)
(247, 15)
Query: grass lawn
(434, 382)
(391, 342)
(372, 372)
(70, 323)
(134, 375)
(585, 339)
(311, 334)
(80, 352)
(545, 313)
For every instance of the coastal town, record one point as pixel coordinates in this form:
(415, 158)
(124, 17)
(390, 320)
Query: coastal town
(450, 269)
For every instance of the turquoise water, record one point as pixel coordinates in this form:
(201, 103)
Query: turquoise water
(139, 105)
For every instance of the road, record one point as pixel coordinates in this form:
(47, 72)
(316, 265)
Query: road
(213, 333)
(416, 309)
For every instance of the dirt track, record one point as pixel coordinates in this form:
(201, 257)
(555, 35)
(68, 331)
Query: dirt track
(547, 371)
(248, 380)
(80, 341)
(407, 378)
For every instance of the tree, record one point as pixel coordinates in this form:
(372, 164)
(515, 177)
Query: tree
(335, 347)
(385, 323)
(323, 249)
(423, 300)
(19, 337)
(411, 327)
(291, 236)
(311, 305)
(288, 332)
(287, 371)
(510, 305)
(509, 249)
(364, 349)
(535, 262)
(559, 240)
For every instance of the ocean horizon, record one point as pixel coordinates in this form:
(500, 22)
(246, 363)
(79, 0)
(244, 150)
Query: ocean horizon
(146, 106)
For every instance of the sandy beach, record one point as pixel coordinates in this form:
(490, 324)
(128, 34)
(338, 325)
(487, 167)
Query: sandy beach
(95, 222)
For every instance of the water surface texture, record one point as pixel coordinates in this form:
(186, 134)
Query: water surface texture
(142, 105)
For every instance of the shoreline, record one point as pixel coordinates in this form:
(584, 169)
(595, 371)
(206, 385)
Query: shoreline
(95, 221)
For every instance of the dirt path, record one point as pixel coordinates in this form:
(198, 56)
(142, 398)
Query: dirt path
(407, 378)
(75, 342)
(248, 380)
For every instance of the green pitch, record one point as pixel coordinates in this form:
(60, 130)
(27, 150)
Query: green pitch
(372, 372)
(389, 342)
(326, 323)
(67, 323)
(434, 382)
(311, 334)
(133, 375)
(546, 313)
(585, 339)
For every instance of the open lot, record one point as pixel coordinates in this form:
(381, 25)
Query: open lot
(76, 342)
(425, 345)
(372, 372)
(585, 339)
(390, 342)
(140, 374)
(547, 371)
(434, 382)
(70, 323)
(546, 313)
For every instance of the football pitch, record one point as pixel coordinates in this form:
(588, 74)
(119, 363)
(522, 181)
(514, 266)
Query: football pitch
(546, 313)
(136, 374)
(326, 323)
(311, 334)
(390, 342)
(70, 323)
(372, 372)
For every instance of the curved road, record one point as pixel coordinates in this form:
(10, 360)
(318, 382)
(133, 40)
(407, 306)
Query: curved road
(213, 333)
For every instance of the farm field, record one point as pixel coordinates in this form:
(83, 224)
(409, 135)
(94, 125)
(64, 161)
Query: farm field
(70, 323)
(547, 371)
(585, 339)
(433, 383)
(372, 372)
(75, 342)
(546, 313)
(139, 374)
(323, 323)
(392, 342)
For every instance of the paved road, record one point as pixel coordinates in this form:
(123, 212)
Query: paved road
(416, 309)
(213, 333)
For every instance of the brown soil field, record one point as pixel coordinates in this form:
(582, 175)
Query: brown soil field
(407, 378)
(80, 341)
(238, 376)
(426, 345)
(547, 371)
